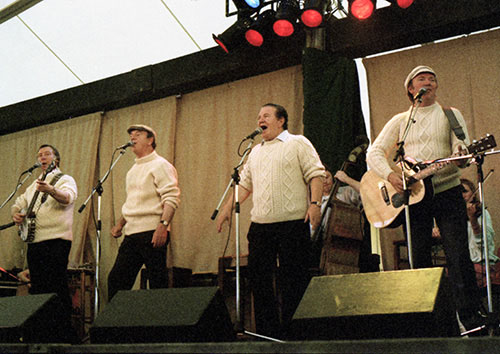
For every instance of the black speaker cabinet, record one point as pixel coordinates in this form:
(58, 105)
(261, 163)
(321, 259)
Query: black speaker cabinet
(393, 304)
(196, 314)
(32, 319)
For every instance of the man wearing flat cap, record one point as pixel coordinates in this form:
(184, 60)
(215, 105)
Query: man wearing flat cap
(430, 137)
(152, 198)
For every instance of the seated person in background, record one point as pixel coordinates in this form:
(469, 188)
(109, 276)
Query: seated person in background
(476, 246)
(346, 194)
(350, 193)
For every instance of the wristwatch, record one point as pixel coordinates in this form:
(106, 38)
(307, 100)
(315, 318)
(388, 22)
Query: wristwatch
(316, 203)
(164, 222)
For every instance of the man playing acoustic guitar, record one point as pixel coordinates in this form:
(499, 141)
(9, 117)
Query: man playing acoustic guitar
(430, 137)
(48, 228)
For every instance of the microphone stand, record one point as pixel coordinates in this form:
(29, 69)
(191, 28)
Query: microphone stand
(99, 190)
(6, 226)
(400, 153)
(235, 179)
(493, 320)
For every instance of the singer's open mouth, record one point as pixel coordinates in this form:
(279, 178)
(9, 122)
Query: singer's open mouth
(264, 127)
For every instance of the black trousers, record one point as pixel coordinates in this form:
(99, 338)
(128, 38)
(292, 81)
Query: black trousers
(48, 265)
(290, 243)
(135, 251)
(448, 208)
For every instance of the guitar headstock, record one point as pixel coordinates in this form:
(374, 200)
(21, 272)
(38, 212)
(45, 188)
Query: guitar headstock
(482, 144)
(50, 168)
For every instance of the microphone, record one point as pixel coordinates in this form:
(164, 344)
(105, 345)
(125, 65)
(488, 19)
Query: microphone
(254, 133)
(420, 93)
(124, 146)
(35, 166)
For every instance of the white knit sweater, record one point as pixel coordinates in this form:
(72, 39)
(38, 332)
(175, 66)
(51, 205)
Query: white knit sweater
(429, 138)
(53, 219)
(150, 183)
(277, 173)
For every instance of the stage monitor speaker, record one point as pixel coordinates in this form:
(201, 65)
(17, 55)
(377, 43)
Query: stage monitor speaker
(196, 314)
(33, 319)
(395, 304)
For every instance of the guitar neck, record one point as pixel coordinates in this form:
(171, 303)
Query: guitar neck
(35, 196)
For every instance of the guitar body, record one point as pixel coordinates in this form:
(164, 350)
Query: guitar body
(27, 228)
(382, 212)
(381, 202)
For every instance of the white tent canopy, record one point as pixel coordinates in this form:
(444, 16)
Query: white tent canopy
(52, 45)
(58, 44)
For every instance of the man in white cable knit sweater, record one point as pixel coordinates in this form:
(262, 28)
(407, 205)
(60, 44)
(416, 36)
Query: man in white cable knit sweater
(48, 253)
(431, 137)
(152, 198)
(278, 174)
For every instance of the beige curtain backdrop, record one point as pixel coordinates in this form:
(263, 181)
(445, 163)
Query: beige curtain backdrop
(76, 141)
(468, 73)
(198, 132)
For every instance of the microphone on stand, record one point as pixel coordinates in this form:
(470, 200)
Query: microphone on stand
(35, 166)
(254, 133)
(420, 93)
(124, 146)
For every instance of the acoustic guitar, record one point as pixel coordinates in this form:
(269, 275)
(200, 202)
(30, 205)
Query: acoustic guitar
(383, 204)
(28, 226)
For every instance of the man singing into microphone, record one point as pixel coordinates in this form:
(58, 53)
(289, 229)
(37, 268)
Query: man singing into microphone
(49, 249)
(430, 137)
(278, 174)
(152, 198)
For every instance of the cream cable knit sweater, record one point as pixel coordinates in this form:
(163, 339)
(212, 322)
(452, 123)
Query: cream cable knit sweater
(277, 173)
(53, 219)
(429, 138)
(150, 183)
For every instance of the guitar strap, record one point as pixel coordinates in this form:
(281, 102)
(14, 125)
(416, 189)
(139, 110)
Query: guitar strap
(52, 182)
(457, 128)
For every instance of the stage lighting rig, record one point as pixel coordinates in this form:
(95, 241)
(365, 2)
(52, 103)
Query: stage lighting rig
(257, 19)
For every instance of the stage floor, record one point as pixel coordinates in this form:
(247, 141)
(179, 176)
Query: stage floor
(421, 345)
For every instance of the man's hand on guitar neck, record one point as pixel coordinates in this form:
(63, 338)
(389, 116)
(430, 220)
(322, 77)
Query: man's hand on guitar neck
(461, 152)
(397, 181)
(18, 218)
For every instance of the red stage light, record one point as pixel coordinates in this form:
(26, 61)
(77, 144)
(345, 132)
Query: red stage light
(361, 9)
(405, 3)
(260, 29)
(220, 43)
(233, 36)
(254, 38)
(283, 28)
(311, 18)
(286, 17)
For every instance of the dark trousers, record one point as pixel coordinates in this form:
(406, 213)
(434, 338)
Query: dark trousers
(289, 242)
(135, 251)
(448, 208)
(48, 265)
